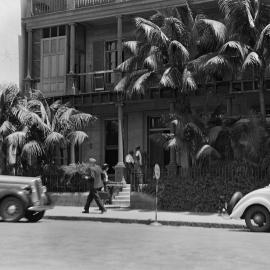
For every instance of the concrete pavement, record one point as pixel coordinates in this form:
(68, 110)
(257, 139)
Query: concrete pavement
(126, 215)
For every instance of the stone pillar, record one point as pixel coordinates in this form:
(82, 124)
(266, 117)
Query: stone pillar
(72, 48)
(120, 167)
(28, 79)
(70, 4)
(119, 43)
(172, 167)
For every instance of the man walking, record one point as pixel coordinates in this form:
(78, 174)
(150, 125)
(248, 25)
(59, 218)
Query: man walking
(96, 184)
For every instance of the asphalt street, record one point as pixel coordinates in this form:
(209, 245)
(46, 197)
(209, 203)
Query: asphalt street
(63, 245)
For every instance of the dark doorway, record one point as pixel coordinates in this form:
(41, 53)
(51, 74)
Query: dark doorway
(111, 144)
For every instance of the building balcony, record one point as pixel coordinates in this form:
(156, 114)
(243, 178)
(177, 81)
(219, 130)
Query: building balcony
(97, 88)
(41, 7)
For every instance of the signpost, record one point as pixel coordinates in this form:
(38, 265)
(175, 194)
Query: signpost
(156, 176)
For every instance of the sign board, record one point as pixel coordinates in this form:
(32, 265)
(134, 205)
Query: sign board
(157, 171)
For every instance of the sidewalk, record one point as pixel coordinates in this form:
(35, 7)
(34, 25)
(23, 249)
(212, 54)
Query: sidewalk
(123, 215)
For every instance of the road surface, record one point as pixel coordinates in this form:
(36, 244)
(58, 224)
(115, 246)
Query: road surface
(65, 245)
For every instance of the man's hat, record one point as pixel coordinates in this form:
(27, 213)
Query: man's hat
(92, 160)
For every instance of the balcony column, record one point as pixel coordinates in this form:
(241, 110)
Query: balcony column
(120, 167)
(119, 43)
(70, 4)
(72, 54)
(72, 48)
(28, 79)
(172, 167)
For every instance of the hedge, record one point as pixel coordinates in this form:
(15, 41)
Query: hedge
(199, 189)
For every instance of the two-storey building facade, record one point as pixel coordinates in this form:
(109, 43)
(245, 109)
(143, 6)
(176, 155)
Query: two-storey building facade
(69, 51)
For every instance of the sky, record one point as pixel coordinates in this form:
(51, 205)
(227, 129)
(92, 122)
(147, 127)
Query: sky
(9, 31)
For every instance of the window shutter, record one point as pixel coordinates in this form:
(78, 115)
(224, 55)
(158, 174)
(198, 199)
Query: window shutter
(98, 55)
(53, 65)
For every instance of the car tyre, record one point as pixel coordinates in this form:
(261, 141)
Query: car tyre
(258, 219)
(12, 209)
(34, 216)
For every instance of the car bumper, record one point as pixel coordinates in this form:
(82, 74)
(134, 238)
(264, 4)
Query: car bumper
(44, 204)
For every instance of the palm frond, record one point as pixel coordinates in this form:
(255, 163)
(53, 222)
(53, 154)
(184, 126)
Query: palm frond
(151, 31)
(6, 128)
(218, 63)
(55, 106)
(54, 139)
(213, 134)
(16, 139)
(82, 120)
(141, 83)
(206, 151)
(77, 137)
(128, 65)
(263, 41)
(171, 78)
(233, 47)
(132, 46)
(252, 60)
(178, 52)
(188, 81)
(32, 150)
(128, 80)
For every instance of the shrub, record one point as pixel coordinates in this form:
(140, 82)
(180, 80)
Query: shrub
(199, 189)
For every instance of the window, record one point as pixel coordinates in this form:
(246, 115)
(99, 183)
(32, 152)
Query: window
(53, 65)
(55, 31)
(111, 60)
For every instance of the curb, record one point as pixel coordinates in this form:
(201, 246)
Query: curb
(148, 222)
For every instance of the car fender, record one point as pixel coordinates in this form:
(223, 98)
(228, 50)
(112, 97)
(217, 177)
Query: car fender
(18, 194)
(245, 203)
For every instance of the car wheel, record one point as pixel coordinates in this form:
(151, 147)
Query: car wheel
(11, 209)
(258, 219)
(34, 216)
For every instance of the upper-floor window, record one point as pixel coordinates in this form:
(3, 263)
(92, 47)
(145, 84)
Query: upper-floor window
(55, 31)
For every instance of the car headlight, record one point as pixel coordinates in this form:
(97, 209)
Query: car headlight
(28, 189)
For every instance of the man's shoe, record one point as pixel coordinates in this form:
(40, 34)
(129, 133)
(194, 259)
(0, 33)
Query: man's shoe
(85, 212)
(103, 210)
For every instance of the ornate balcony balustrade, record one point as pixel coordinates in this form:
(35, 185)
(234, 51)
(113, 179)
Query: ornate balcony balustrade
(40, 7)
(94, 88)
(93, 3)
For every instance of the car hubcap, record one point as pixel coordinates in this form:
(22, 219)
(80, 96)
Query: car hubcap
(11, 209)
(259, 219)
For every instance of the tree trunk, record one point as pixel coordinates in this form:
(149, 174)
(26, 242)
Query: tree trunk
(261, 98)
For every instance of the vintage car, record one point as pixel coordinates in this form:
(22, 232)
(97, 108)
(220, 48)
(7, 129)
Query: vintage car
(254, 207)
(23, 197)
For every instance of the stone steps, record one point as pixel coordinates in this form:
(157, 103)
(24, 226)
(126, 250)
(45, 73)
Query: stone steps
(123, 198)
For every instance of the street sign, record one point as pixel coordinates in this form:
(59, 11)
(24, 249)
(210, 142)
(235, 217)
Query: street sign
(157, 171)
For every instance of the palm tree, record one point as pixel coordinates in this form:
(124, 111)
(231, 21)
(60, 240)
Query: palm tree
(42, 129)
(167, 52)
(248, 23)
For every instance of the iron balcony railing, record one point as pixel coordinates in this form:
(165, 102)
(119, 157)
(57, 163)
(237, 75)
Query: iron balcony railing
(92, 3)
(40, 7)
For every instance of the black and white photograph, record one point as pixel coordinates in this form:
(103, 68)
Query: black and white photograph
(134, 134)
